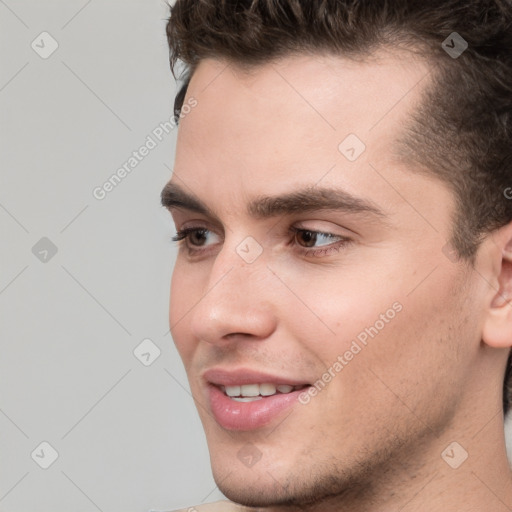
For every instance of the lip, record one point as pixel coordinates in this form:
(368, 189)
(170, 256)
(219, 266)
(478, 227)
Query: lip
(233, 415)
(241, 376)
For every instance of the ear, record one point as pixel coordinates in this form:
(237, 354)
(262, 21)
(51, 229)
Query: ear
(497, 329)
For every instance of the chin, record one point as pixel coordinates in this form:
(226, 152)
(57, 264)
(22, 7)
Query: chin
(270, 492)
(246, 492)
(250, 486)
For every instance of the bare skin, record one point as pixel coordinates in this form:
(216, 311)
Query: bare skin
(378, 437)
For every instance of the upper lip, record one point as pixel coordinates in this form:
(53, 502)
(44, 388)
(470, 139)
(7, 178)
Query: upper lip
(241, 376)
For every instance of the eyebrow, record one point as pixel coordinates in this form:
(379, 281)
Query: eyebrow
(306, 199)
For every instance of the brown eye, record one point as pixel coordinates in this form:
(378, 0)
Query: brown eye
(193, 238)
(309, 237)
(197, 237)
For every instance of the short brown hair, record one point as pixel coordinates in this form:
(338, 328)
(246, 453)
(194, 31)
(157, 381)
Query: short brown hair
(462, 132)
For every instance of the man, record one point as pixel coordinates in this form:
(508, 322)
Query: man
(341, 295)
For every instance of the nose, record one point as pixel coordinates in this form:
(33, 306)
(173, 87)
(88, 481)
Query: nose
(236, 300)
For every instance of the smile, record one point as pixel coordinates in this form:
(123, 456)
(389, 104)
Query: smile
(252, 392)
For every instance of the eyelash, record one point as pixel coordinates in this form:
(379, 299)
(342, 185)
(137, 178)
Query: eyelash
(182, 236)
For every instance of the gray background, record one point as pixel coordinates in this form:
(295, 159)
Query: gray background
(127, 435)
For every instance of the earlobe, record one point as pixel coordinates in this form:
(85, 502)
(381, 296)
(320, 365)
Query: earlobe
(497, 330)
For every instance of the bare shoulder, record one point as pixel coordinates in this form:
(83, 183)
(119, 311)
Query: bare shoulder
(218, 506)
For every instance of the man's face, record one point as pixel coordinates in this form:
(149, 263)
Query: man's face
(372, 307)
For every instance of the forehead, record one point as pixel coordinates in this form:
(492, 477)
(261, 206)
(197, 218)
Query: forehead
(289, 123)
(333, 92)
(299, 107)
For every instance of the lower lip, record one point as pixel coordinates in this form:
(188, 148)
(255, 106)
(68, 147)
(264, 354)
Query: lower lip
(233, 415)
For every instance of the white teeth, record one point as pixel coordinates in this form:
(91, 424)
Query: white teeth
(232, 390)
(256, 391)
(267, 389)
(250, 390)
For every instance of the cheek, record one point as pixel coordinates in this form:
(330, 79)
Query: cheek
(401, 331)
(335, 306)
(415, 361)
(181, 301)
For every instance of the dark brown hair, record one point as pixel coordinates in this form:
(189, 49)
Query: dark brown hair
(461, 133)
